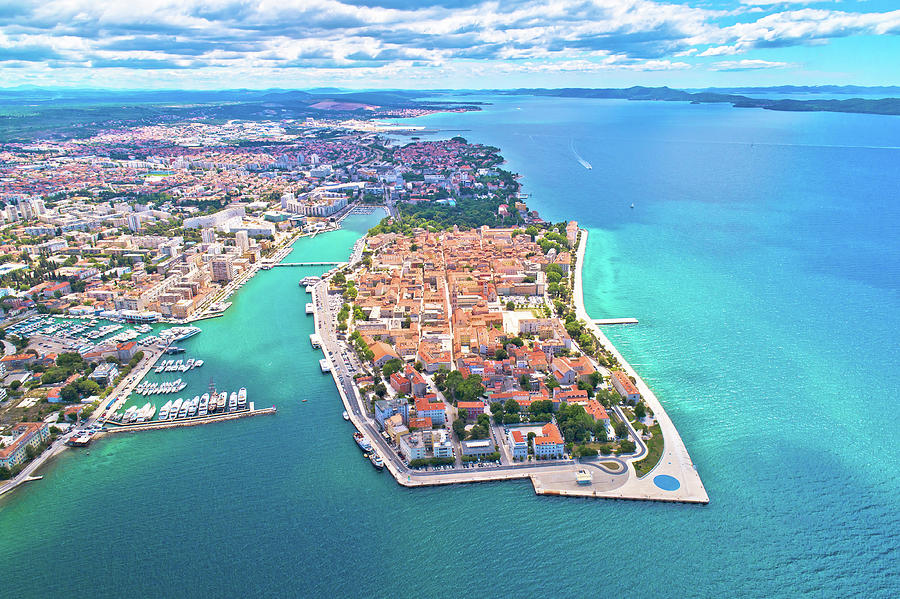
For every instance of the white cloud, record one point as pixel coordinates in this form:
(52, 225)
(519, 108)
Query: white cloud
(749, 65)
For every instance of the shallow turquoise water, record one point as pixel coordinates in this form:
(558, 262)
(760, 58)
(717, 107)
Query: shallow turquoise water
(762, 260)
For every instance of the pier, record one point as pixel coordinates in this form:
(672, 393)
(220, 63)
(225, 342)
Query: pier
(605, 321)
(191, 421)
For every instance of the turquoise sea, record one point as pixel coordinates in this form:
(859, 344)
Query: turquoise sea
(762, 258)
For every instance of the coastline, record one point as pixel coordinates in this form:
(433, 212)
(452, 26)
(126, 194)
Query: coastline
(547, 478)
(675, 460)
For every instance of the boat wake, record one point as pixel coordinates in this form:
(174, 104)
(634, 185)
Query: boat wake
(578, 157)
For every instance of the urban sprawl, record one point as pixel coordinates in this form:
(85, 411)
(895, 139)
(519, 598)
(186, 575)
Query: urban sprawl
(454, 332)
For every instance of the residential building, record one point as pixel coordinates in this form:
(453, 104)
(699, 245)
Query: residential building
(470, 409)
(625, 387)
(434, 410)
(518, 444)
(25, 434)
(550, 443)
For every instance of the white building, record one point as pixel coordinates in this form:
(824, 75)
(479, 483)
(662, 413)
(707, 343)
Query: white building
(242, 241)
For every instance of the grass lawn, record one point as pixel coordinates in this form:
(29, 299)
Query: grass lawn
(654, 452)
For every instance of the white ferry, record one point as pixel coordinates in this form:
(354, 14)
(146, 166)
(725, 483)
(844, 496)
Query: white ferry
(323, 364)
(310, 308)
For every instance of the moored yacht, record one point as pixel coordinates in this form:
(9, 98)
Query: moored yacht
(176, 407)
(204, 404)
(232, 402)
(242, 398)
(164, 411)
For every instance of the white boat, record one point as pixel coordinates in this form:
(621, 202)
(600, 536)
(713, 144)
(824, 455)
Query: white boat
(204, 405)
(198, 363)
(323, 364)
(221, 401)
(232, 402)
(310, 308)
(183, 410)
(177, 334)
(346, 415)
(242, 398)
(164, 411)
(142, 413)
(176, 407)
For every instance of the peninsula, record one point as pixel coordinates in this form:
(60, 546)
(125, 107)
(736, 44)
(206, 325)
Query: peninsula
(455, 332)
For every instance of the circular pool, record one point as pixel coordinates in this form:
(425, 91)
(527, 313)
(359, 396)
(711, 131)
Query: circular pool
(666, 482)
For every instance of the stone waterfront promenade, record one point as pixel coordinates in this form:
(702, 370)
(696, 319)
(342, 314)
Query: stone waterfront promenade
(675, 461)
(611, 477)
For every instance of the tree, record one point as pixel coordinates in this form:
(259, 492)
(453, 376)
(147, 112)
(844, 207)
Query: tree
(500, 354)
(510, 305)
(459, 427)
(69, 393)
(497, 411)
(640, 410)
(391, 366)
(525, 382)
(621, 430)
(511, 406)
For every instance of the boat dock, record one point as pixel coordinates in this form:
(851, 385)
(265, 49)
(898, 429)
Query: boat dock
(605, 321)
(118, 427)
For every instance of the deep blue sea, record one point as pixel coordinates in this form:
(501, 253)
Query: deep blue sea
(762, 258)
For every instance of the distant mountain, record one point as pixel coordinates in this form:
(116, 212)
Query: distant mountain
(889, 90)
(886, 106)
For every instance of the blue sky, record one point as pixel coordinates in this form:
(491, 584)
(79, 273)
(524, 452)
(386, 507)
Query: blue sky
(448, 43)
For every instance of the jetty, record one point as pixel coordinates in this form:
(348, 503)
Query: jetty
(605, 321)
(117, 427)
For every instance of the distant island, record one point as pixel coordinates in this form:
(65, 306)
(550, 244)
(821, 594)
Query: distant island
(887, 106)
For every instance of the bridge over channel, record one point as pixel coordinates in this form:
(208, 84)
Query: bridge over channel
(308, 263)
